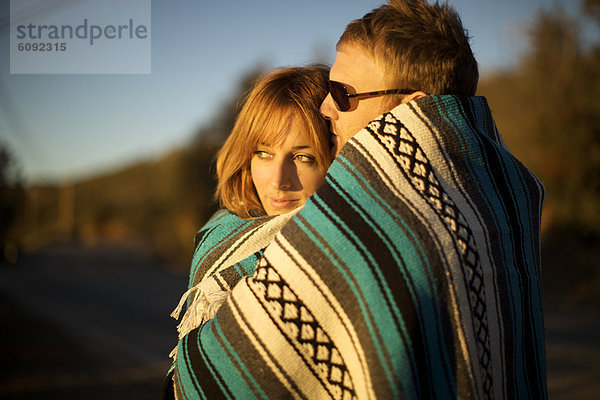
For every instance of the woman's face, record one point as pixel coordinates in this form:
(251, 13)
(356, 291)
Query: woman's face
(287, 173)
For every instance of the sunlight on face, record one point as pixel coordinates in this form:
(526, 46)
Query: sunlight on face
(356, 69)
(287, 173)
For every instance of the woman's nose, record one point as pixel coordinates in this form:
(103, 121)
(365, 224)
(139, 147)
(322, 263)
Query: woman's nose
(283, 175)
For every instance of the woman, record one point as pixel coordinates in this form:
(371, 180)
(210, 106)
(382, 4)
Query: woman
(279, 148)
(273, 161)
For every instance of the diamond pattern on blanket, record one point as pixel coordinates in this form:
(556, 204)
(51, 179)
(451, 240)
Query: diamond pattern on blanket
(404, 148)
(302, 330)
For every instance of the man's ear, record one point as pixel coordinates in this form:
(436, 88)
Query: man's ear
(413, 96)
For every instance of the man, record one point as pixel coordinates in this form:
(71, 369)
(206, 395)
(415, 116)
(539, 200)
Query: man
(413, 272)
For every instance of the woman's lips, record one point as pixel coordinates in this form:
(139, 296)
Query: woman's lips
(282, 203)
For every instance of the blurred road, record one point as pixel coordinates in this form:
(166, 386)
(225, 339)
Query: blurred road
(93, 323)
(573, 352)
(87, 323)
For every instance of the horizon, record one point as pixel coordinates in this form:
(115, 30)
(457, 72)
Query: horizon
(72, 127)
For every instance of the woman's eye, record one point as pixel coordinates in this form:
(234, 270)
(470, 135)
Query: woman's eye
(305, 158)
(261, 154)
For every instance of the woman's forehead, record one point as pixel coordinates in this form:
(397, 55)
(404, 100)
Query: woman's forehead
(282, 126)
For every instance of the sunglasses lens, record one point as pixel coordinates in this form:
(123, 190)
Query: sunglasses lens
(339, 95)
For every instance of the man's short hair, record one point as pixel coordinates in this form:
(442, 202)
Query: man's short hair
(420, 46)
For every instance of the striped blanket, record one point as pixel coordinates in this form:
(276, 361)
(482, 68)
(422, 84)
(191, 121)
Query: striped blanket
(226, 249)
(413, 272)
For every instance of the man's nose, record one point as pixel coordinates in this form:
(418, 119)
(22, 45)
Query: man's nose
(328, 109)
(282, 177)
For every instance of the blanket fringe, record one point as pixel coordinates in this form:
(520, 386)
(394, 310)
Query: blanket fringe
(202, 308)
(184, 297)
(206, 297)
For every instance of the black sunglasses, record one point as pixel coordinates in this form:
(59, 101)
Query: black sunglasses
(341, 97)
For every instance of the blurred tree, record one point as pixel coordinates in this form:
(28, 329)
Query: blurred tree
(11, 204)
(592, 9)
(548, 110)
(564, 87)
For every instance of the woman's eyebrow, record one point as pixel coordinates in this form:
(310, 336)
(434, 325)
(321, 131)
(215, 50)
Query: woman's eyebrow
(301, 147)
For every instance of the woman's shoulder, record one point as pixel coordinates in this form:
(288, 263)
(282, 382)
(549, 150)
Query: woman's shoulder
(224, 216)
(225, 223)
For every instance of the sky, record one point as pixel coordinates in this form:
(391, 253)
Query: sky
(64, 127)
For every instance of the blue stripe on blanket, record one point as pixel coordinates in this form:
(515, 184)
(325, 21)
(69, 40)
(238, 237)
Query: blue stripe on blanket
(370, 275)
(224, 356)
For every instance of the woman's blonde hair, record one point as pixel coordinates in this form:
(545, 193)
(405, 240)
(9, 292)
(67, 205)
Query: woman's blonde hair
(281, 95)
